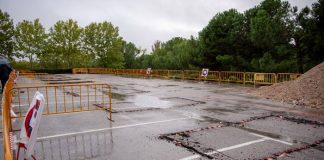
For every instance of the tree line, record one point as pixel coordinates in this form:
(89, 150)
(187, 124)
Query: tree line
(270, 37)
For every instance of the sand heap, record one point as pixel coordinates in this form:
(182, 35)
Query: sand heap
(307, 90)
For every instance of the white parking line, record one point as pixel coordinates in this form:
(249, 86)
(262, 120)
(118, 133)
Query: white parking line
(111, 128)
(264, 138)
(226, 149)
(269, 138)
(237, 146)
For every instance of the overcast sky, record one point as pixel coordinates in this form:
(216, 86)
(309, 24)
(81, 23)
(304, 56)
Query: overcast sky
(140, 21)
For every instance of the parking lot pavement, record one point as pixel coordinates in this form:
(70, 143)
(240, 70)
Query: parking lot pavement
(173, 119)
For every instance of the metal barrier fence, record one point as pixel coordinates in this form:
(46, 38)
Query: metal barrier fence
(62, 98)
(249, 77)
(282, 77)
(220, 76)
(79, 70)
(160, 73)
(176, 74)
(90, 145)
(264, 78)
(213, 76)
(191, 75)
(6, 117)
(232, 76)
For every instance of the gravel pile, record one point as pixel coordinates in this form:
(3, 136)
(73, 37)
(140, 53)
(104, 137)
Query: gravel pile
(307, 90)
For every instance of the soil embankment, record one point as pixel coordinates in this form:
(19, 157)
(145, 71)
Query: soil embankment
(307, 90)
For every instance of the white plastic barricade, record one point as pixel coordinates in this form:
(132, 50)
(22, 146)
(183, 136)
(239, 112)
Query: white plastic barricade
(29, 128)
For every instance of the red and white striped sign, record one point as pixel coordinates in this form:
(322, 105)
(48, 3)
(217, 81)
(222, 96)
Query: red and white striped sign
(29, 128)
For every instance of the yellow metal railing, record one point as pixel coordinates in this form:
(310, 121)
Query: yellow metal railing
(160, 73)
(60, 99)
(65, 98)
(191, 75)
(226, 76)
(176, 74)
(6, 118)
(264, 78)
(249, 77)
(282, 77)
(213, 76)
(79, 70)
(219, 76)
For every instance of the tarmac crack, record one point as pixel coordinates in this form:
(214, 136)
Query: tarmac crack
(292, 150)
(183, 138)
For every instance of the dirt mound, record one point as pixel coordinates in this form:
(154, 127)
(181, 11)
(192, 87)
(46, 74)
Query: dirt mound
(307, 90)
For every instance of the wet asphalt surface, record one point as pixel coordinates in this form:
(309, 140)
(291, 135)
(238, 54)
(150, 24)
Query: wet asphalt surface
(172, 119)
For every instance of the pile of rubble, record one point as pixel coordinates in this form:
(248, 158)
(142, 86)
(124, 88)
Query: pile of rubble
(307, 90)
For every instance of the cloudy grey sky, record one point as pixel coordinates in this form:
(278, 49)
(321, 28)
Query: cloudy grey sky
(140, 21)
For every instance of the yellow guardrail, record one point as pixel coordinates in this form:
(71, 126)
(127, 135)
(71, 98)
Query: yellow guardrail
(6, 117)
(160, 73)
(249, 77)
(226, 76)
(176, 74)
(65, 98)
(191, 75)
(212, 76)
(220, 76)
(282, 77)
(60, 99)
(79, 70)
(264, 78)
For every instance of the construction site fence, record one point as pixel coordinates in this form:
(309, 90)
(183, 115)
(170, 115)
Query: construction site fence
(59, 99)
(219, 76)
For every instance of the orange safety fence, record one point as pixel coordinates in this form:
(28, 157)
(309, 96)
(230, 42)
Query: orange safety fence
(213, 76)
(191, 74)
(282, 77)
(64, 98)
(79, 70)
(220, 76)
(6, 117)
(249, 77)
(176, 74)
(60, 99)
(228, 76)
(160, 73)
(264, 78)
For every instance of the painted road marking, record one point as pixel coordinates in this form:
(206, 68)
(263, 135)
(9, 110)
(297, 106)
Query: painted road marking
(264, 138)
(110, 128)
(269, 138)
(226, 149)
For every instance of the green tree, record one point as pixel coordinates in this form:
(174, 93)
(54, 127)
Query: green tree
(130, 52)
(30, 40)
(65, 44)
(224, 36)
(6, 35)
(316, 56)
(103, 41)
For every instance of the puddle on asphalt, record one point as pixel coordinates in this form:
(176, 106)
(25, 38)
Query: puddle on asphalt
(150, 101)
